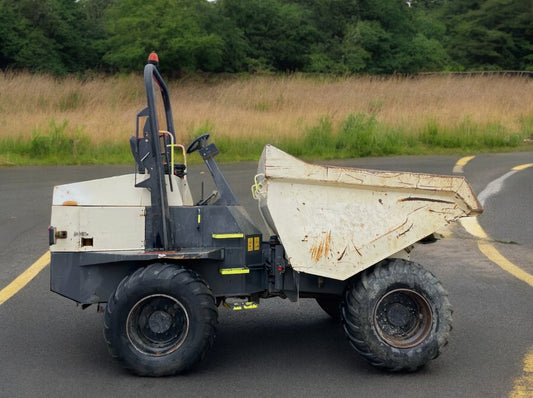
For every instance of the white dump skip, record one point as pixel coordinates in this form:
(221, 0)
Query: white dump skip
(335, 222)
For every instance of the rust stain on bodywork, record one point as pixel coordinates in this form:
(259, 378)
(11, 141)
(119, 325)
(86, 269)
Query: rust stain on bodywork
(342, 254)
(321, 248)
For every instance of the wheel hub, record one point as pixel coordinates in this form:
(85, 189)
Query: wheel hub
(157, 325)
(160, 322)
(398, 315)
(403, 318)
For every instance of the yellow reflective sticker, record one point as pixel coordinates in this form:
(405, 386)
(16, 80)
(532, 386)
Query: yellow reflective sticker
(234, 271)
(227, 236)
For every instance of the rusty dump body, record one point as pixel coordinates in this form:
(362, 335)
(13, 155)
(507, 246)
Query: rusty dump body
(335, 222)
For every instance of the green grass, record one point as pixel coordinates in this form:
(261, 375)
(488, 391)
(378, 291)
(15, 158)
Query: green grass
(362, 135)
(359, 135)
(55, 145)
(470, 136)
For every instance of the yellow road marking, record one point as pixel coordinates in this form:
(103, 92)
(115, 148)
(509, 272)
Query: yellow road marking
(523, 386)
(458, 168)
(522, 167)
(494, 255)
(23, 279)
(463, 161)
(471, 225)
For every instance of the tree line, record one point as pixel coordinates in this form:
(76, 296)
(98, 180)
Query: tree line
(317, 36)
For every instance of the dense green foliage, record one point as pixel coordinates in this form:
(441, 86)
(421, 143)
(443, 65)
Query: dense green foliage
(339, 36)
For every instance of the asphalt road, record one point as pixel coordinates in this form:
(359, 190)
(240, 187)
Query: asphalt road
(49, 347)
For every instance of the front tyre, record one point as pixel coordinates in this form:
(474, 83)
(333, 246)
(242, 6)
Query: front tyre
(397, 315)
(160, 320)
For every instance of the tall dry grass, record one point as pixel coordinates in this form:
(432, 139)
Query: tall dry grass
(262, 107)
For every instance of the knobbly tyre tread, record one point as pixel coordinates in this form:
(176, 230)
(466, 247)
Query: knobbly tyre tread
(358, 314)
(173, 280)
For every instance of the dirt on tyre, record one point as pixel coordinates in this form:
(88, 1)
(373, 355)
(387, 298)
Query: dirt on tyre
(397, 315)
(160, 320)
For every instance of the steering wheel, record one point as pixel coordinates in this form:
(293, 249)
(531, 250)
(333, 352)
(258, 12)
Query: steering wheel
(198, 143)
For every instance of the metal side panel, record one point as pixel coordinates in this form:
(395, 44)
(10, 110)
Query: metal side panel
(112, 191)
(86, 277)
(90, 277)
(98, 228)
(118, 191)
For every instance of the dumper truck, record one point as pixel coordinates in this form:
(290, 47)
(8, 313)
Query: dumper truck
(160, 265)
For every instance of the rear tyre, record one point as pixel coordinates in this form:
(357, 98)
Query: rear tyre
(397, 315)
(160, 320)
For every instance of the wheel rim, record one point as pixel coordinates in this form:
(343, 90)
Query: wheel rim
(403, 318)
(157, 325)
